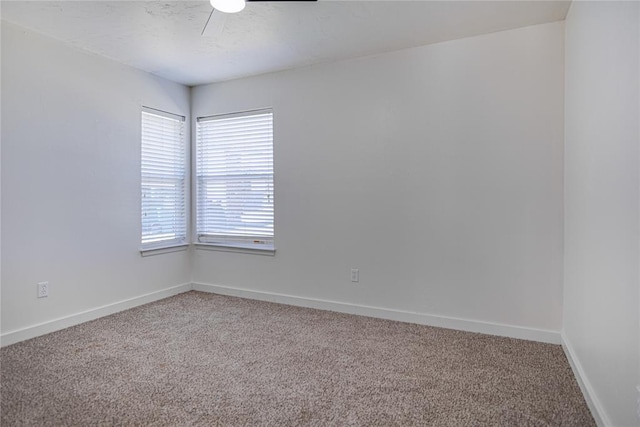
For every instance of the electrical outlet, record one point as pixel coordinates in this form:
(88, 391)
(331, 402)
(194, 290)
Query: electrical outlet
(355, 275)
(43, 289)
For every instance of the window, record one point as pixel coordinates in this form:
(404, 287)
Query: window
(164, 184)
(234, 169)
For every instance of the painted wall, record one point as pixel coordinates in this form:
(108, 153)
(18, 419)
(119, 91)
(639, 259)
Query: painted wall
(601, 202)
(437, 171)
(71, 180)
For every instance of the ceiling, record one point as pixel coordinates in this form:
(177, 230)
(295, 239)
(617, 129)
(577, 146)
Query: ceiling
(164, 37)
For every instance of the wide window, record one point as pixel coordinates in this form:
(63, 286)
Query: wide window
(234, 169)
(164, 180)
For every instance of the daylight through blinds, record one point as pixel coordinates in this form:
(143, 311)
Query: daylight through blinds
(234, 164)
(163, 163)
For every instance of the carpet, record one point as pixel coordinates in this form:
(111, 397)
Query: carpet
(205, 359)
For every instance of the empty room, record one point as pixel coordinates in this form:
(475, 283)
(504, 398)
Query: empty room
(327, 213)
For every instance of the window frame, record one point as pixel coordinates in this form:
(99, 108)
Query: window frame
(239, 247)
(179, 244)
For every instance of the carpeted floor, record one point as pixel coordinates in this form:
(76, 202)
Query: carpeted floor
(204, 359)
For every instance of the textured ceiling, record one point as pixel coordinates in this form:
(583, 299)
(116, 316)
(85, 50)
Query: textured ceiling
(163, 37)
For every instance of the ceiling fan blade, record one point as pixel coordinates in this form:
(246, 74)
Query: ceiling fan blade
(215, 24)
(207, 23)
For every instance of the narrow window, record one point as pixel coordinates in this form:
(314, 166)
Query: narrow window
(234, 169)
(164, 180)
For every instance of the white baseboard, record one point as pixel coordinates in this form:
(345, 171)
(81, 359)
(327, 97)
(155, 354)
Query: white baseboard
(519, 332)
(29, 332)
(594, 404)
(490, 328)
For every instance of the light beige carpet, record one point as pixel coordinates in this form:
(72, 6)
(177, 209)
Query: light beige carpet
(204, 359)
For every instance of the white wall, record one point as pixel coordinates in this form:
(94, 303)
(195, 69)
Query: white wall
(437, 171)
(71, 180)
(601, 202)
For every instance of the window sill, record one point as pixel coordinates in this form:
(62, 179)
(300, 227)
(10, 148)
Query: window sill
(164, 249)
(244, 249)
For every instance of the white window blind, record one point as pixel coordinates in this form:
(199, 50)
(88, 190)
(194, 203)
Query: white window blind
(234, 169)
(164, 195)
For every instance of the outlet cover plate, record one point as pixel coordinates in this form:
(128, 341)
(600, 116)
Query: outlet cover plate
(43, 289)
